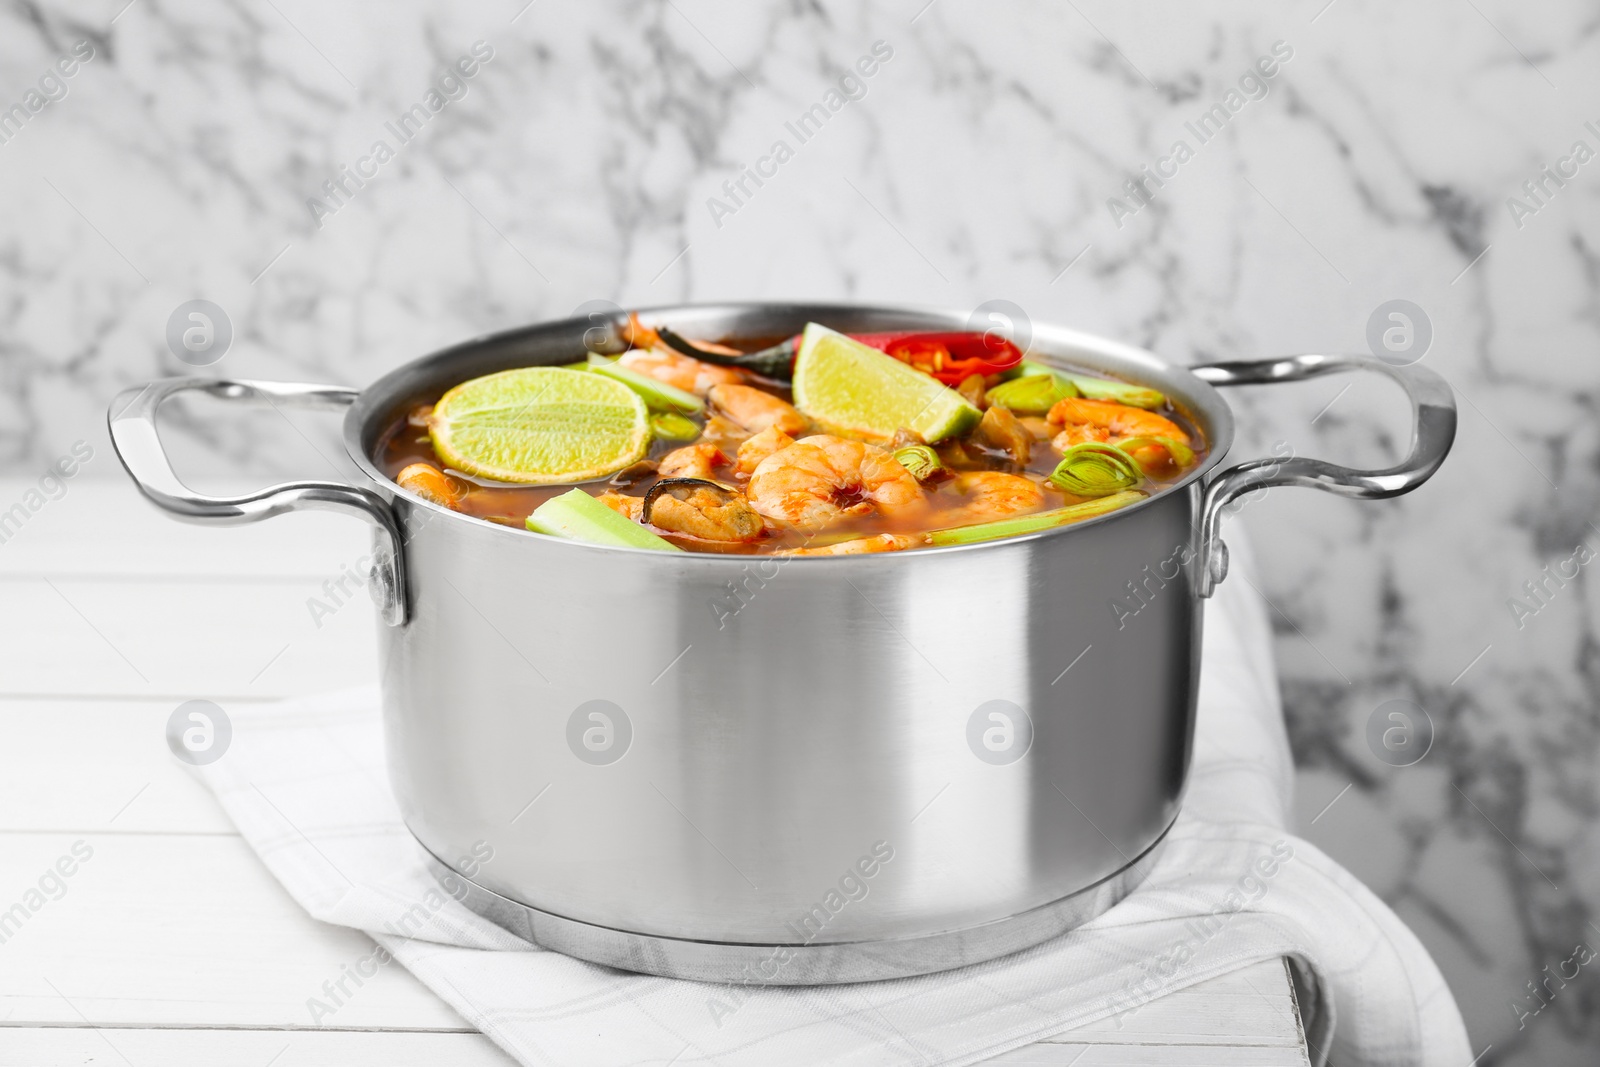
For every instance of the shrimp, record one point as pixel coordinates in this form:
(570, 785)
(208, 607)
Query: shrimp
(995, 495)
(724, 433)
(631, 507)
(709, 514)
(692, 461)
(684, 372)
(431, 484)
(820, 480)
(756, 410)
(1106, 420)
(861, 545)
(638, 335)
(759, 447)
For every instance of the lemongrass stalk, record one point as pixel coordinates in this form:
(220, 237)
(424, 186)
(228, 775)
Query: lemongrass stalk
(1026, 524)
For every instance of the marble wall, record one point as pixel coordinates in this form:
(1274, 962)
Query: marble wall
(1387, 155)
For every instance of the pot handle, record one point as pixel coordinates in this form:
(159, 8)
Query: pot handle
(1433, 416)
(132, 420)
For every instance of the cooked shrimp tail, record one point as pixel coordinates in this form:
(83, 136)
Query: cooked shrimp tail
(755, 409)
(996, 495)
(692, 461)
(637, 334)
(759, 447)
(664, 365)
(1108, 420)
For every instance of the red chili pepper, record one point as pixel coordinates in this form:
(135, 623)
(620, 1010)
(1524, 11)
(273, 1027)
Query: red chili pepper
(949, 357)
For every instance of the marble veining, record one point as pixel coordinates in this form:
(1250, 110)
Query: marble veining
(1385, 157)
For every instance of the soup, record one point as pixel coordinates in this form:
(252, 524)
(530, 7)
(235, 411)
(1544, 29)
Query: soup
(821, 444)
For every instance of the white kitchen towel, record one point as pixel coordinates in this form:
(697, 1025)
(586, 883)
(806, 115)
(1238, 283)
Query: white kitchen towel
(305, 783)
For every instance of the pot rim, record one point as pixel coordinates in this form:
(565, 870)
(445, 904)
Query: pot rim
(1202, 402)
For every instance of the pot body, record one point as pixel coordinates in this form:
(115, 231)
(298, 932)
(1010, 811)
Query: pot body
(872, 765)
(985, 731)
(888, 763)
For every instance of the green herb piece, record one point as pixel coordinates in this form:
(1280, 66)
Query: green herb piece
(1095, 469)
(920, 460)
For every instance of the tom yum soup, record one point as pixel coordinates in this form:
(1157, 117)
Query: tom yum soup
(821, 445)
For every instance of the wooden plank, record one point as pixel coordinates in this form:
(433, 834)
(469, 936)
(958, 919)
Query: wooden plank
(1095, 1055)
(121, 599)
(61, 1046)
(98, 767)
(213, 639)
(157, 930)
(103, 526)
(32, 1046)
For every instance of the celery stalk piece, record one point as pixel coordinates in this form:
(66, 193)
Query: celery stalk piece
(1137, 396)
(1026, 524)
(658, 396)
(577, 516)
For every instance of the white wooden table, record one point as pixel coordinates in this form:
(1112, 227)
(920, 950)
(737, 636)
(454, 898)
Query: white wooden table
(172, 944)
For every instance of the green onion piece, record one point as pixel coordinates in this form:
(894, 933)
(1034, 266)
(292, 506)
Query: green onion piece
(670, 426)
(658, 396)
(1026, 524)
(1137, 396)
(1095, 469)
(1182, 455)
(1028, 369)
(1032, 394)
(920, 460)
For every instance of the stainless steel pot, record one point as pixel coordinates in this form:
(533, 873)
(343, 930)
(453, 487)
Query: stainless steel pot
(788, 771)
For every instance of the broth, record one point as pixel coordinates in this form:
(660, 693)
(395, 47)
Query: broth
(407, 442)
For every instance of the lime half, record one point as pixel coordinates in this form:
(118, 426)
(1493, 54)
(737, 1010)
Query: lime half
(851, 388)
(540, 426)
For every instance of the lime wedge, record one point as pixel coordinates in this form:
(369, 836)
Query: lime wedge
(850, 388)
(540, 426)
(577, 516)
